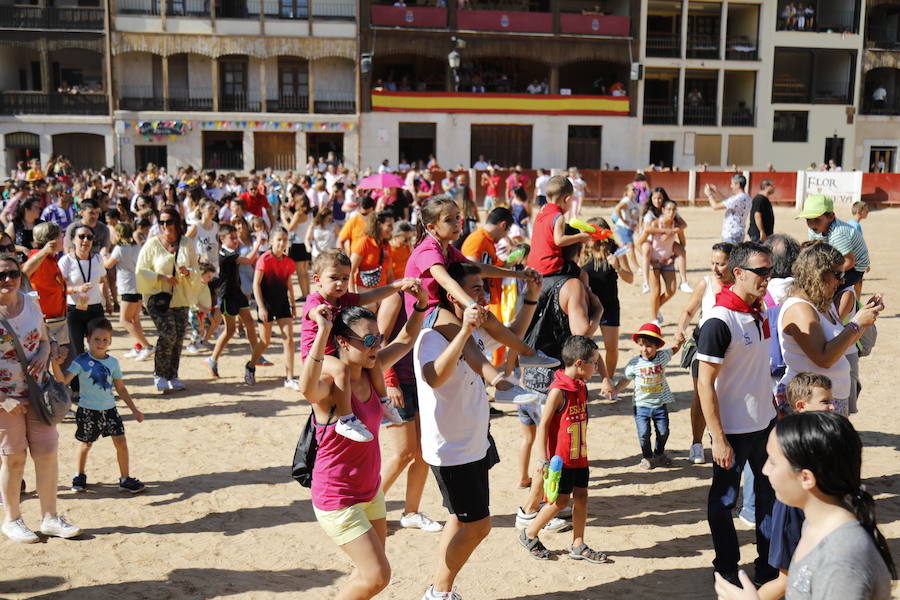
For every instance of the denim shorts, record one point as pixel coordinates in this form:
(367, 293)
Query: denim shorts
(625, 235)
(410, 407)
(530, 414)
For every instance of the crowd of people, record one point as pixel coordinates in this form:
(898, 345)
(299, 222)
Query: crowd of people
(416, 311)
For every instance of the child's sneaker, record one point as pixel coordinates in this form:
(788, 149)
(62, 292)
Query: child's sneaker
(18, 531)
(192, 348)
(213, 366)
(249, 375)
(144, 353)
(132, 353)
(516, 395)
(58, 527)
(686, 287)
(79, 483)
(389, 411)
(430, 594)
(555, 524)
(290, 382)
(353, 429)
(130, 484)
(696, 456)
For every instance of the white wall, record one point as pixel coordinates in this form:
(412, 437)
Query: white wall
(48, 126)
(333, 75)
(11, 60)
(134, 70)
(200, 73)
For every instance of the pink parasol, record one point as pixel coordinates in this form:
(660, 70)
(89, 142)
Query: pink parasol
(380, 181)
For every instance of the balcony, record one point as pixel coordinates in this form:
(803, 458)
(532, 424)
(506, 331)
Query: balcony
(187, 8)
(288, 104)
(38, 103)
(741, 49)
(703, 46)
(190, 99)
(334, 10)
(137, 7)
(663, 45)
(240, 102)
(49, 17)
(660, 113)
(499, 20)
(832, 16)
(280, 9)
(740, 116)
(700, 115)
(334, 102)
(409, 16)
(140, 98)
(482, 103)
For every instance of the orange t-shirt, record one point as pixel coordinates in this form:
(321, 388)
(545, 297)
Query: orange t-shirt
(353, 229)
(373, 256)
(481, 248)
(399, 256)
(48, 282)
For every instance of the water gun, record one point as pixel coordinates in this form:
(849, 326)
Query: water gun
(515, 256)
(551, 479)
(597, 233)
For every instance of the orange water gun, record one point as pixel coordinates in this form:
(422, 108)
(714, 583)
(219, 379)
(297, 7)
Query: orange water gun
(596, 232)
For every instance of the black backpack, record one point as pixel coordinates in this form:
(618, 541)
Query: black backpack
(305, 452)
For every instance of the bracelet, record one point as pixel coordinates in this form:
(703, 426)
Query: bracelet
(471, 304)
(417, 309)
(853, 326)
(317, 359)
(529, 302)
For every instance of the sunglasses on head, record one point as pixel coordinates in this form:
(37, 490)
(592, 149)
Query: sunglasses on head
(11, 275)
(368, 340)
(761, 271)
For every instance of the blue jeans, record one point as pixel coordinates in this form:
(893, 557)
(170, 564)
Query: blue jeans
(749, 448)
(643, 415)
(748, 508)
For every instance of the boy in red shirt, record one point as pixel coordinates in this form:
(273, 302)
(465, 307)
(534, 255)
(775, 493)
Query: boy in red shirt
(549, 234)
(563, 433)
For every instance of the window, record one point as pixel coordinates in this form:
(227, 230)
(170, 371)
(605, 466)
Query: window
(664, 28)
(700, 89)
(662, 153)
(508, 145)
(233, 78)
(813, 76)
(293, 87)
(417, 141)
(584, 146)
(661, 97)
(790, 126)
(223, 150)
(293, 9)
(704, 20)
(708, 149)
(841, 16)
(158, 155)
(320, 144)
(740, 150)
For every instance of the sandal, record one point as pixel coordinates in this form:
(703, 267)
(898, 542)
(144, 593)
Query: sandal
(524, 485)
(534, 546)
(583, 552)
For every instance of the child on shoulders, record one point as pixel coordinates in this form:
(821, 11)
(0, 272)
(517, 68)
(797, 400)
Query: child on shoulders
(549, 231)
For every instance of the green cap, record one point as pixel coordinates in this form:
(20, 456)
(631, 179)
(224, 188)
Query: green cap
(815, 206)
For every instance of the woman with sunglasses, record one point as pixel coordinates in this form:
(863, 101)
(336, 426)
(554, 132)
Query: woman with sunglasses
(84, 274)
(346, 485)
(21, 228)
(168, 277)
(813, 338)
(21, 431)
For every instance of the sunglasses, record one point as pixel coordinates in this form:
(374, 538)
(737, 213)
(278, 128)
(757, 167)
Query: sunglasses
(85, 236)
(166, 223)
(11, 275)
(839, 275)
(368, 340)
(761, 271)
(8, 248)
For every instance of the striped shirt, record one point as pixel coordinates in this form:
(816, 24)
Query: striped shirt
(845, 240)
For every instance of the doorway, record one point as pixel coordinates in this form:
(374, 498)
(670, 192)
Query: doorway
(320, 144)
(883, 159)
(88, 150)
(158, 155)
(223, 150)
(21, 146)
(417, 141)
(506, 145)
(276, 150)
(584, 146)
(662, 153)
(834, 150)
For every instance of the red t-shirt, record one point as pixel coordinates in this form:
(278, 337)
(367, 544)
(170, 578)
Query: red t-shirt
(276, 277)
(255, 203)
(545, 256)
(493, 186)
(567, 432)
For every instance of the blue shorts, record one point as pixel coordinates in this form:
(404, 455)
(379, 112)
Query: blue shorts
(410, 407)
(625, 235)
(530, 414)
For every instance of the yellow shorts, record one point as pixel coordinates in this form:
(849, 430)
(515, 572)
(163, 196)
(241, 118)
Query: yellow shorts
(346, 524)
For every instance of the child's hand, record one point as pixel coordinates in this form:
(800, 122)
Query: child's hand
(396, 396)
(679, 338)
(322, 315)
(584, 237)
(138, 415)
(533, 275)
(406, 284)
(473, 317)
(421, 294)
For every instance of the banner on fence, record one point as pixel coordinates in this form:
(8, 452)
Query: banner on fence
(841, 187)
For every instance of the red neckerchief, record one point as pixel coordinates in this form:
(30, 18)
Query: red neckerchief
(564, 382)
(732, 301)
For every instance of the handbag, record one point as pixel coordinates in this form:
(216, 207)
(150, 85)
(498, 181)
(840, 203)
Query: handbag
(689, 350)
(867, 340)
(305, 452)
(160, 301)
(50, 398)
(372, 277)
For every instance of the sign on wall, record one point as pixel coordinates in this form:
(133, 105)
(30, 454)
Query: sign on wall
(841, 187)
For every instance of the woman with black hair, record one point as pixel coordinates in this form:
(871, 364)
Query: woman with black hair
(21, 228)
(814, 464)
(652, 212)
(346, 484)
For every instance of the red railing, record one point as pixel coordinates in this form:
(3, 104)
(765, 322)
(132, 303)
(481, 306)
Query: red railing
(408, 16)
(499, 20)
(881, 188)
(595, 24)
(785, 186)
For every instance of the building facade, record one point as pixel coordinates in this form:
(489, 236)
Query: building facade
(234, 85)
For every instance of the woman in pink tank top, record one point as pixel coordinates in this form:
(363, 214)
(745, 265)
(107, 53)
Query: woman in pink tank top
(346, 484)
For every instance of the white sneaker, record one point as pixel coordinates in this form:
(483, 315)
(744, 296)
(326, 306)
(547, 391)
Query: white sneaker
(353, 429)
(294, 384)
(420, 521)
(659, 318)
(516, 395)
(162, 385)
(144, 353)
(645, 289)
(18, 531)
(390, 412)
(696, 456)
(132, 353)
(192, 349)
(58, 527)
(430, 594)
(537, 360)
(524, 520)
(686, 287)
(176, 385)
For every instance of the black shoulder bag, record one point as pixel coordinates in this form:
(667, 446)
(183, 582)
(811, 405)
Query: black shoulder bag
(305, 452)
(160, 301)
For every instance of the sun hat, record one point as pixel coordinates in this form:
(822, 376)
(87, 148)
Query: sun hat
(815, 206)
(650, 330)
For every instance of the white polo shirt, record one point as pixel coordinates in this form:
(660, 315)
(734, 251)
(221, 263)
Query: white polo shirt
(453, 417)
(735, 340)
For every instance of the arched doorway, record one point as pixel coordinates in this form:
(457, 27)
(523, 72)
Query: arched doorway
(19, 146)
(85, 150)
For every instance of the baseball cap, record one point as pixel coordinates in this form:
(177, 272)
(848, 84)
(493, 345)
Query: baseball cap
(815, 206)
(650, 330)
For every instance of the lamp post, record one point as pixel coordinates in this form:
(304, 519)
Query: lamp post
(453, 59)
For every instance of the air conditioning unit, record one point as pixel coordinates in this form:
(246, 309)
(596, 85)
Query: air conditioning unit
(637, 71)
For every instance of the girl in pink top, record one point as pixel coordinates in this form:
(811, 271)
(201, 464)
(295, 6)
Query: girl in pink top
(346, 482)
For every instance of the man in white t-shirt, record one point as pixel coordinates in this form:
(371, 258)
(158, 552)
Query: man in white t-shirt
(736, 206)
(540, 186)
(735, 390)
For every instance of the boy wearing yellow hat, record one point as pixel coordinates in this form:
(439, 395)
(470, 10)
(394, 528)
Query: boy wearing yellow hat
(651, 392)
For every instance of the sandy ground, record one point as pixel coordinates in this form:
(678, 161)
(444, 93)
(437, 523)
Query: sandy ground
(222, 518)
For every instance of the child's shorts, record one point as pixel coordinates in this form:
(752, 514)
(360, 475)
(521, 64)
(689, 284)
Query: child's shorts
(344, 525)
(231, 306)
(530, 414)
(573, 478)
(91, 424)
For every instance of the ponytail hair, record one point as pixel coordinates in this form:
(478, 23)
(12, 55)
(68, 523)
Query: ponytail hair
(827, 445)
(431, 212)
